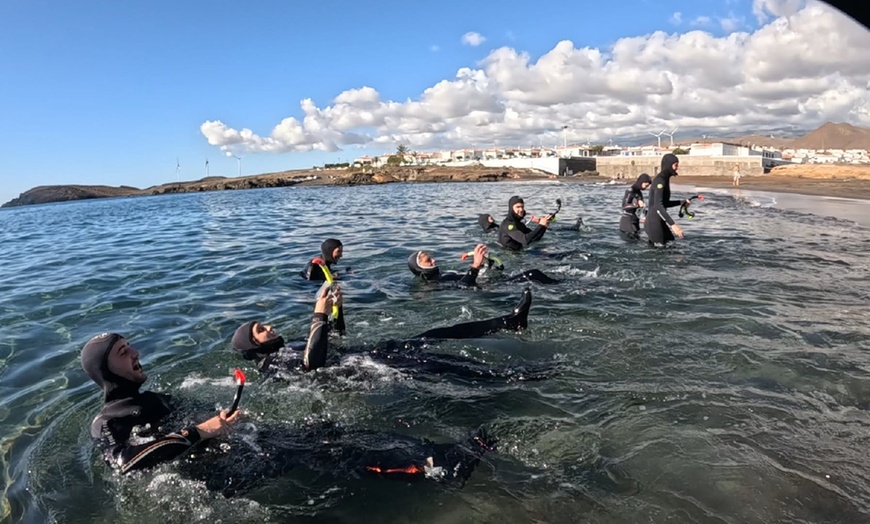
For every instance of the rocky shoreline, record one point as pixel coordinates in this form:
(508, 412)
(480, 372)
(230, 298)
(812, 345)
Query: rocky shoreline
(837, 181)
(321, 177)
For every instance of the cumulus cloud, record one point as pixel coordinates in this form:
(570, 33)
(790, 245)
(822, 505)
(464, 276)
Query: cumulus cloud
(701, 21)
(677, 18)
(732, 23)
(473, 39)
(799, 70)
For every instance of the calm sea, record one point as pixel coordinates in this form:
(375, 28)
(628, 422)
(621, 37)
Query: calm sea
(724, 380)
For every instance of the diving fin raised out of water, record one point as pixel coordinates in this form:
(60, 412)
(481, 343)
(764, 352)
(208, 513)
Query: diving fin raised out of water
(519, 318)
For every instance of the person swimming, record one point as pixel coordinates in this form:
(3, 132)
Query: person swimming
(513, 234)
(257, 341)
(632, 201)
(129, 428)
(424, 266)
(486, 222)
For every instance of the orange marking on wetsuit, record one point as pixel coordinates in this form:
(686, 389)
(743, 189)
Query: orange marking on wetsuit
(409, 470)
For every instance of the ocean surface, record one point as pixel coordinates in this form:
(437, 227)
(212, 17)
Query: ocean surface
(724, 379)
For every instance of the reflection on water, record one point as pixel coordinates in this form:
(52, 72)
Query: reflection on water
(725, 379)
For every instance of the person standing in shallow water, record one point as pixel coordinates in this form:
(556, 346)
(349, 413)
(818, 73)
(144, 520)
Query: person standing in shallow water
(513, 234)
(735, 180)
(320, 268)
(660, 227)
(632, 202)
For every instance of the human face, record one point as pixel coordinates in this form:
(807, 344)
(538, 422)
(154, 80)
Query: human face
(124, 361)
(519, 209)
(263, 333)
(676, 166)
(424, 260)
(337, 253)
(644, 185)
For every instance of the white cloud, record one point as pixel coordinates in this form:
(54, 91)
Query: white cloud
(434, 48)
(800, 69)
(473, 39)
(677, 18)
(763, 9)
(732, 23)
(701, 20)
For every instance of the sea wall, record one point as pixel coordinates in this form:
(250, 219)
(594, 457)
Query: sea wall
(632, 167)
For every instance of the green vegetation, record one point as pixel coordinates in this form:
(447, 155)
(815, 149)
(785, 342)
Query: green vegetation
(681, 151)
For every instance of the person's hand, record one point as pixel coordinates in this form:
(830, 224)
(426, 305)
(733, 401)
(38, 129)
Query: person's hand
(480, 254)
(545, 220)
(218, 425)
(328, 296)
(640, 204)
(687, 202)
(678, 231)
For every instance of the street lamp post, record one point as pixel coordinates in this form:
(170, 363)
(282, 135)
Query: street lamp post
(564, 140)
(231, 155)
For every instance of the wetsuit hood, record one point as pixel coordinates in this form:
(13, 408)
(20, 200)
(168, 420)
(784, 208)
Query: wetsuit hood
(327, 247)
(514, 200)
(484, 222)
(250, 349)
(427, 273)
(668, 162)
(95, 362)
(640, 180)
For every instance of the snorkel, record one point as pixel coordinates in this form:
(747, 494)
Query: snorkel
(684, 208)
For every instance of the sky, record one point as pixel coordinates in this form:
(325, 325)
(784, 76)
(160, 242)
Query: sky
(143, 93)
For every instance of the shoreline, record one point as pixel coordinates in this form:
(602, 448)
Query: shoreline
(817, 186)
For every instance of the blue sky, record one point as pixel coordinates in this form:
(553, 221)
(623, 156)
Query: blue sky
(113, 92)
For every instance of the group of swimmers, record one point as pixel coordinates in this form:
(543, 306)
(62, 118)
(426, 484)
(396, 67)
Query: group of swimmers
(129, 429)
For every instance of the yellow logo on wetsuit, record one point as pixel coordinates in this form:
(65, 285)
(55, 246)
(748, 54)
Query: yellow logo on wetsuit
(660, 186)
(510, 227)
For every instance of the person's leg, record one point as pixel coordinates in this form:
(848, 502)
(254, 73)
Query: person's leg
(516, 320)
(532, 275)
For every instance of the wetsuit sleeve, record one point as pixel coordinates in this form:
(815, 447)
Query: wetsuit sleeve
(527, 238)
(657, 207)
(128, 457)
(318, 342)
(470, 278)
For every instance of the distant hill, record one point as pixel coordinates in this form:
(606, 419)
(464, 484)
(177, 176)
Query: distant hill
(828, 136)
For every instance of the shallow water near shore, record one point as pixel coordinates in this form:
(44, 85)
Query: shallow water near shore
(725, 379)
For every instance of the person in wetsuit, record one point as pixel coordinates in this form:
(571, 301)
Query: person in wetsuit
(513, 234)
(487, 223)
(632, 202)
(659, 225)
(129, 433)
(424, 266)
(320, 268)
(257, 341)
(128, 428)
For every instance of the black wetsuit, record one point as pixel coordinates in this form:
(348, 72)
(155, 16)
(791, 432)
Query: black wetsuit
(485, 224)
(324, 454)
(128, 429)
(629, 222)
(411, 354)
(513, 234)
(319, 266)
(469, 278)
(658, 219)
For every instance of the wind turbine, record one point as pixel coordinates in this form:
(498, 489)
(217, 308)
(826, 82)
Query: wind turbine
(658, 136)
(671, 134)
(177, 170)
(231, 155)
(206, 167)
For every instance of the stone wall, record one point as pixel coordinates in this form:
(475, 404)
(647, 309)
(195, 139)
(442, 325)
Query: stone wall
(631, 167)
